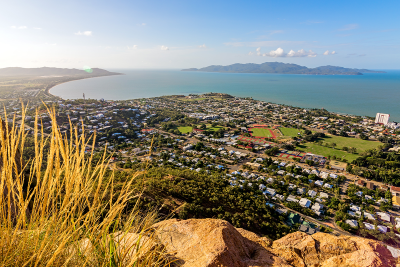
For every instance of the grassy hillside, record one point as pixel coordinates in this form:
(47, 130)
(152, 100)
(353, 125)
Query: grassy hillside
(63, 210)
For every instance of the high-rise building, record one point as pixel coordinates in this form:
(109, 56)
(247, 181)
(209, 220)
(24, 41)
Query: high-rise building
(382, 118)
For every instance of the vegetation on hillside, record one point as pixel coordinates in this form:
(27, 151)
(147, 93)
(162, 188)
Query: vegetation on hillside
(62, 213)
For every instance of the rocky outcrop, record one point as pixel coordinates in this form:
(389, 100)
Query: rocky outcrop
(325, 250)
(212, 243)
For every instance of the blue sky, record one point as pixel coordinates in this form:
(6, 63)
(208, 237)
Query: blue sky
(182, 34)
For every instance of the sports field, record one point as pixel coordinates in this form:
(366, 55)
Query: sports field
(289, 131)
(261, 132)
(326, 151)
(359, 144)
(185, 129)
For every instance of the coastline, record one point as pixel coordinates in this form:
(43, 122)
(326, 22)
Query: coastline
(47, 90)
(306, 91)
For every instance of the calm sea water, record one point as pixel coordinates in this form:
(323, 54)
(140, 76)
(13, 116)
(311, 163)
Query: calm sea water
(361, 95)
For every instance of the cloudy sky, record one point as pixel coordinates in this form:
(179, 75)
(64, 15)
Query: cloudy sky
(181, 34)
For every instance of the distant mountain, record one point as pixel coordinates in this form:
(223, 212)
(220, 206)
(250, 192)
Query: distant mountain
(283, 68)
(46, 71)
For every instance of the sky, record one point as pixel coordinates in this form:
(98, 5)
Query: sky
(172, 34)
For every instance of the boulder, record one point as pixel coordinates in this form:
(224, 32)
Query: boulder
(212, 243)
(325, 250)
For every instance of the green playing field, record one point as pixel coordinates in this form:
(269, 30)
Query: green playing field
(261, 132)
(290, 131)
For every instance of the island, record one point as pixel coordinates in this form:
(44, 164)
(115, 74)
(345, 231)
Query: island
(283, 68)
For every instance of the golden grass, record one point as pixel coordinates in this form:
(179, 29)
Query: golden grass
(63, 213)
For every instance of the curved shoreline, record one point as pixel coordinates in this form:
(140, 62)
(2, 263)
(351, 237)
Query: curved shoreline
(47, 90)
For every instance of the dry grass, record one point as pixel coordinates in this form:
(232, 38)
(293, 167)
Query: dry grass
(62, 214)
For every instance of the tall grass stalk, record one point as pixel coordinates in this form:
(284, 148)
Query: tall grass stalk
(63, 212)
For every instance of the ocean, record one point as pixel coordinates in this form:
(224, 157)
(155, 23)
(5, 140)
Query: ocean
(362, 95)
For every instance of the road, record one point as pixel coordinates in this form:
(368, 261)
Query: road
(311, 219)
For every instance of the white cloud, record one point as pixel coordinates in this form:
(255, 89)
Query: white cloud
(19, 27)
(264, 43)
(301, 53)
(86, 33)
(326, 53)
(143, 24)
(349, 27)
(165, 48)
(250, 53)
(37, 28)
(275, 53)
(203, 46)
(279, 52)
(133, 47)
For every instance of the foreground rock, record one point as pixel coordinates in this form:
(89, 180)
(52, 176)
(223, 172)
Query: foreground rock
(212, 243)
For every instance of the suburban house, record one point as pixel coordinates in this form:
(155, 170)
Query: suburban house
(352, 223)
(396, 202)
(383, 216)
(370, 185)
(312, 193)
(369, 226)
(292, 198)
(382, 228)
(317, 207)
(395, 191)
(270, 191)
(360, 182)
(304, 202)
(369, 216)
(301, 191)
(323, 195)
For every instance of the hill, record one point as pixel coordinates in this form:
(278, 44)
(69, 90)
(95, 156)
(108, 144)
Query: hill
(47, 71)
(283, 68)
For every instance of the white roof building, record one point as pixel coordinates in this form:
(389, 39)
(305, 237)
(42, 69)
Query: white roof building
(369, 226)
(319, 183)
(352, 223)
(304, 202)
(312, 193)
(328, 185)
(384, 216)
(369, 216)
(323, 195)
(270, 191)
(355, 208)
(317, 207)
(324, 175)
(382, 228)
(354, 214)
(291, 198)
(301, 191)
